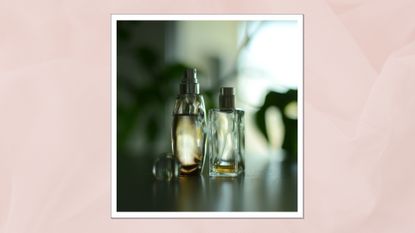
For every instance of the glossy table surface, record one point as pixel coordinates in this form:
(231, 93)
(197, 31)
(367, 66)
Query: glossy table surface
(267, 185)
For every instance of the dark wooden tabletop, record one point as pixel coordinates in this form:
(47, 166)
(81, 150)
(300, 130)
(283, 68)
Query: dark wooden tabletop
(267, 185)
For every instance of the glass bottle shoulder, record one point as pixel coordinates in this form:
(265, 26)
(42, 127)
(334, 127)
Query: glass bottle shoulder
(189, 104)
(237, 111)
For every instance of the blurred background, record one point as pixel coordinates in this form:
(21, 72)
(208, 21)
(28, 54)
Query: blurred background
(261, 59)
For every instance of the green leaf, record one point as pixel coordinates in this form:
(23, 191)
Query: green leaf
(280, 101)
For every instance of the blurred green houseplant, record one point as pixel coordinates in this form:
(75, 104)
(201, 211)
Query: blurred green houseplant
(158, 91)
(281, 101)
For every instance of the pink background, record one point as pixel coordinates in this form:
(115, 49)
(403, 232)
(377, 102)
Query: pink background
(359, 116)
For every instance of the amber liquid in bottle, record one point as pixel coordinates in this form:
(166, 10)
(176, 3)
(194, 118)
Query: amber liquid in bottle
(188, 126)
(188, 142)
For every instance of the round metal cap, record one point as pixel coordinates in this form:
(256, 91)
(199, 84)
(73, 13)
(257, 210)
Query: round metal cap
(189, 83)
(227, 98)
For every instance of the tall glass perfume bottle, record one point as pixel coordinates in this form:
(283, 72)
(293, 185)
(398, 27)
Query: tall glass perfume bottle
(189, 118)
(226, 136)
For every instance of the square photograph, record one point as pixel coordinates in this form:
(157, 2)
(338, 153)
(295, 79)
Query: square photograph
(207, 116)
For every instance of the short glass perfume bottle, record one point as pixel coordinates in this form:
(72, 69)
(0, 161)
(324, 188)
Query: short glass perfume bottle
(226, 143)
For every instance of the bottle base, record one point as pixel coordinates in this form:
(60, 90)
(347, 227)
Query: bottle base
(225, 171)
(190, 170)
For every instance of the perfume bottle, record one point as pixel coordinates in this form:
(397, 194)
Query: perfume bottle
(226, 136)
(188, 129)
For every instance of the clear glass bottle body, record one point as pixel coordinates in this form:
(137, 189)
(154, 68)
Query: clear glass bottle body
(226, 142)
(188, 133)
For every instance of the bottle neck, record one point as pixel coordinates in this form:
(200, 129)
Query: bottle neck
(189, 88)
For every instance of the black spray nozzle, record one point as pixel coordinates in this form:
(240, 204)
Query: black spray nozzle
(227, 98)
(189, 83)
